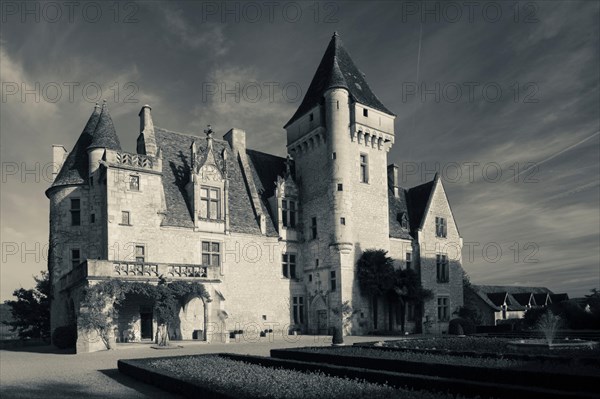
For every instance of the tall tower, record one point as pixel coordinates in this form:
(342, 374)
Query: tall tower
(339, 138)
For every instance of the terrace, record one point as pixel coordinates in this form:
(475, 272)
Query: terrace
(92, 269)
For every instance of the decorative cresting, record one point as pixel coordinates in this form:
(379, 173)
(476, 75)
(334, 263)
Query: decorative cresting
(369, 137)
(188, 271)
(134, 160)
(135, 269)
(206, 164)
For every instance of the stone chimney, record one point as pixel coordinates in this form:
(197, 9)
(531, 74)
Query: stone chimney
(392, 171)
(237, 140)
(59, 154)
(146, 142)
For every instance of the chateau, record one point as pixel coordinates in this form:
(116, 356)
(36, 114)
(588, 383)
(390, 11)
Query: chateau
(275, 241)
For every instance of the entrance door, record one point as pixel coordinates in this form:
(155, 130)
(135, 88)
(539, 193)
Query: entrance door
(322, 321)
(146, 325)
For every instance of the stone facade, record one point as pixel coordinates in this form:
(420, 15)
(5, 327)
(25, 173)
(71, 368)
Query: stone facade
(275, 241)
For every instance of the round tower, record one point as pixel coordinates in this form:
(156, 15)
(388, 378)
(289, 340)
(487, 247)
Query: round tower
(337, 122)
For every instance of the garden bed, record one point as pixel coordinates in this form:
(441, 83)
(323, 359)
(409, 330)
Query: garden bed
(500, 371)
(489, 348)
(229, 376)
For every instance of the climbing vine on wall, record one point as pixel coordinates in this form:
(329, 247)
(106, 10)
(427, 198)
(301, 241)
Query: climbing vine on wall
(100, 301)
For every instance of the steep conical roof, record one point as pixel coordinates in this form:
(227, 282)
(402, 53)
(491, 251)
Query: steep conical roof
(75, 169)
(338, 70)
(105, 135)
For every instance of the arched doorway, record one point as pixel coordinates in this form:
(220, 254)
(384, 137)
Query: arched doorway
(192, 319)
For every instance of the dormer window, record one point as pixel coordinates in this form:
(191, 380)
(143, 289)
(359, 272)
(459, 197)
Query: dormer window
(210, 203)
(288, 213)
(403, 219)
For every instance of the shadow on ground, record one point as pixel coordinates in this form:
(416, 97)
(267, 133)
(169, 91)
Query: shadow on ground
(149, 391)
(39, 349)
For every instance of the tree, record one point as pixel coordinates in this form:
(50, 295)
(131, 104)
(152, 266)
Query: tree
(469, 309)
(375, 273)
(31, 310)
(408, 288)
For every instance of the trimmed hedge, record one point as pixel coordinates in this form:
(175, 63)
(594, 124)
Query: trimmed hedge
(233, 376)
(65, 337)
(460, 326)
(425, 364)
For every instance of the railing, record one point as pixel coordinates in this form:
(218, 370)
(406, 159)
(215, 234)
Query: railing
(136, 160)
(93, 269)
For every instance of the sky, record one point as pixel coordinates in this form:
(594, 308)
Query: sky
(501, 98)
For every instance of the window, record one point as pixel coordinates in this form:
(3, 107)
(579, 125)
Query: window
(365, 112)
(364, 168)
(288, 265)
(409, 260)
(75, 257)
(93, 218)
(440, 227)
(75, 212)
(313, 227)
(91, 181)
(310, 278)
(311, 117)
(340, 187)
(288, 213)
(211, 253)
(343, 221)
(140, 253)
(125, 218)
(443, 306)
(333, 280)
(316, 262)
(333, 155)
(298, 309)
(210, 203)
(134, 183)
(442, 268)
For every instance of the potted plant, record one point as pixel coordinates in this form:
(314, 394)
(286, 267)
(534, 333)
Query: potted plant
(338, 337)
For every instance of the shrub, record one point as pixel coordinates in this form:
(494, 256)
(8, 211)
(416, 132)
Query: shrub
(65, 336)
(460, 326)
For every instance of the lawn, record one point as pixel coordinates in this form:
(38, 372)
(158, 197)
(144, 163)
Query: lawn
(241, 379)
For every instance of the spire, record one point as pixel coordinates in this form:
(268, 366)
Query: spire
(75, 168)
(105, 135)
(209, 136)
(337, 70)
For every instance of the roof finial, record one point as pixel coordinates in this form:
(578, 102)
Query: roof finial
(209, 133)
(335, 34)
(97, 105)
(104, 104)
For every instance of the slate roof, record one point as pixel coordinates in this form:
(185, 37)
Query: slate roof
(417, 199)
(75, 169)
(494, 295)
(523, 298)
(176, 152)
(337, 70)
(556, 298)
(105, 135)
(540, 299)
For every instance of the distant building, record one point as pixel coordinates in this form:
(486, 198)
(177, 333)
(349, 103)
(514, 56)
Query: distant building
(275, 241)
(496, 302)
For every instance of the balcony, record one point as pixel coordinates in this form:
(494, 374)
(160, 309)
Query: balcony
(92, 269)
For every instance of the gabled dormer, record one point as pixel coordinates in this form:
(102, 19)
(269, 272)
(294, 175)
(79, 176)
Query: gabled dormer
(286, 205)
(208, 188)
